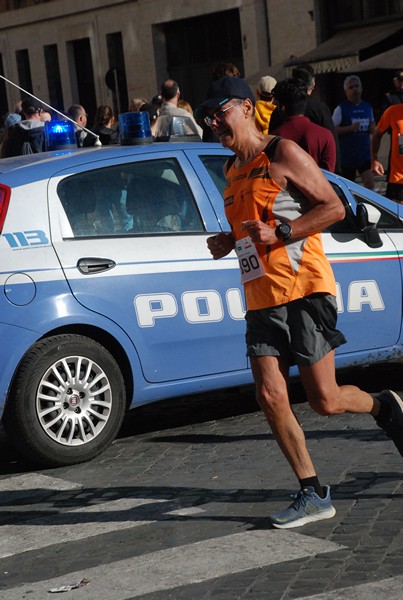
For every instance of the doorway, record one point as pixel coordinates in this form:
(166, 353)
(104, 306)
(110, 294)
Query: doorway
(82, 77)
(186, 50)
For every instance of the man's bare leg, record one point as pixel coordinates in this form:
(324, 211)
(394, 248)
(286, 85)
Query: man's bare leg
(309, 504)
(272, 396)
(328, 398)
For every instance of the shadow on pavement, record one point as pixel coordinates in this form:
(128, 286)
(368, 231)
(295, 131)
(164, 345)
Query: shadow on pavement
(215, 406)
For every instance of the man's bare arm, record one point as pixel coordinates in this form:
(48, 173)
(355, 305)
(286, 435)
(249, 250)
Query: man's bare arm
(376, 166)
(292, 165)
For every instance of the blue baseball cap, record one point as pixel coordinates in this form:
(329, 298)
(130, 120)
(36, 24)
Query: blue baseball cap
(224, 89)
(12, 119)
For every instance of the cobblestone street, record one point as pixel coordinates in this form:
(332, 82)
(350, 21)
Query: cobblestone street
(189, 480)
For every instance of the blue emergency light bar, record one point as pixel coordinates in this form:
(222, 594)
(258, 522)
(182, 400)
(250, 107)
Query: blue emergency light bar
(135, 128)
(60, 135)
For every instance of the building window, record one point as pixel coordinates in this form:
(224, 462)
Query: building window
(374, 9)
(53, 76)
(16, 4)
(357, 12)
(82, 75)
(24, 70)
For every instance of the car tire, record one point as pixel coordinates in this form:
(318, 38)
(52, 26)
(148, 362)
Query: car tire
(67, 401)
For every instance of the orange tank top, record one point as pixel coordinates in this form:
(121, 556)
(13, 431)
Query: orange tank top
(292, 270)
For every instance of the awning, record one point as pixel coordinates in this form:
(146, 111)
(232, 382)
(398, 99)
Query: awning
(391, 59)
(342, 51)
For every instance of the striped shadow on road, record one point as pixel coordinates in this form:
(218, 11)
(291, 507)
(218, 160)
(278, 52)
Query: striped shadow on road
(184, 565)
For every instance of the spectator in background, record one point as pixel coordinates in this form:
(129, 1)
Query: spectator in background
(46, 115)
(391, 121)
(264, 104)
(354, 122)
(153, 111)
(9, 120)
(394, 96)
(291, 95)
(317, 111)
(103, 127)
(157, 100)
(136, 103)
(80, 117)
(26, 136)
(185, 105)
(225, 69)
(170, 93)
(18, 107)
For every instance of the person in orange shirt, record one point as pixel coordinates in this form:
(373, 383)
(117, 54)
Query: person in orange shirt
(277, 201)
(391, 121)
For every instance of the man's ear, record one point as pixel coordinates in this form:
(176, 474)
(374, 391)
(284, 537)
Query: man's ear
(248, 107)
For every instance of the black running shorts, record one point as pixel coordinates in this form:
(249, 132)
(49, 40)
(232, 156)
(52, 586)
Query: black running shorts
(302, 332)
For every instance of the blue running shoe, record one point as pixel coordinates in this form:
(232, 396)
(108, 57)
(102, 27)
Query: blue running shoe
(306, 507)
(393, 425)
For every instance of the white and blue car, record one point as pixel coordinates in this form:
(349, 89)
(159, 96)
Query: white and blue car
(110, 299)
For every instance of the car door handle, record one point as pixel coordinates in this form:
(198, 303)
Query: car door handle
(90, 265)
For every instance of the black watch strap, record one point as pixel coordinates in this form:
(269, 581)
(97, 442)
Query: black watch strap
(283, 231)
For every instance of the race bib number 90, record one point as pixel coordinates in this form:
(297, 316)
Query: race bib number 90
(249, 260)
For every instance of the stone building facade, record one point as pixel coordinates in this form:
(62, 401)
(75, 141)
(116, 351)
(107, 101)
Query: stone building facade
(62, 50)
(108, 51)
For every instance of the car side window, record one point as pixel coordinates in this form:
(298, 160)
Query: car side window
(215, 168)
(146, 197)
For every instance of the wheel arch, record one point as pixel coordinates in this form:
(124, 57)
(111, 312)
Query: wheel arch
(102, 337)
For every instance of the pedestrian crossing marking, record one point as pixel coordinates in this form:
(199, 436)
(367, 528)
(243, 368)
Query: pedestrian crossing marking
(32, 484)
(186, 512)
(385, 589)
(183, 565)
(78, 524)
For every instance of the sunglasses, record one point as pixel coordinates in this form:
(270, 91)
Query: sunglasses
(218, 114)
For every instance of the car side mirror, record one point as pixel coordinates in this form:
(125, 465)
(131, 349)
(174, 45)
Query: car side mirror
(367, 220)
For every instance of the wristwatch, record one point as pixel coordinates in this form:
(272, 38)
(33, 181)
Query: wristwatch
(283, 231)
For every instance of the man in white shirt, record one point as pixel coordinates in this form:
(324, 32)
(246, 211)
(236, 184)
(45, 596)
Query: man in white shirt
(170, 94)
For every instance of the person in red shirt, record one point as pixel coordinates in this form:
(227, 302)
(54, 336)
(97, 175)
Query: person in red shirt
(391, 121)
(291, 95)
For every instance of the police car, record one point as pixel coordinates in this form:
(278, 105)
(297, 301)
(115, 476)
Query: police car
(110, 298)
